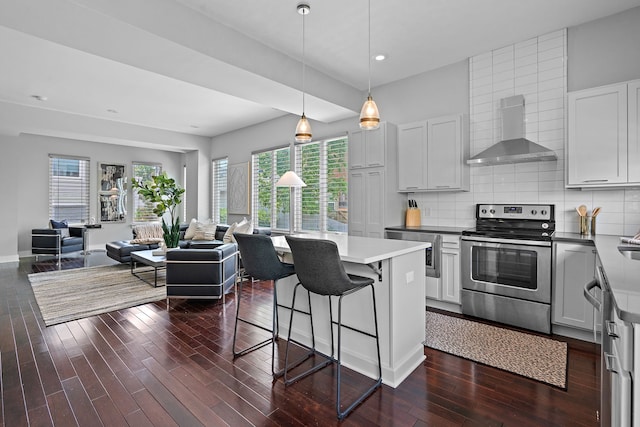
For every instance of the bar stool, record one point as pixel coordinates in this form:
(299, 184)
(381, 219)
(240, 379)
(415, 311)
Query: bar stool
(260, 260)
(321, 272)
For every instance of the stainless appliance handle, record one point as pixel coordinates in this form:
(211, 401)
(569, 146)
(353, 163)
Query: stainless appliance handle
(436, 252)
(506, 241)
(587, 294)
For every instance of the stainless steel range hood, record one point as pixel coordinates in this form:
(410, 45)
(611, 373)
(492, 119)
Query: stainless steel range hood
(514, 147)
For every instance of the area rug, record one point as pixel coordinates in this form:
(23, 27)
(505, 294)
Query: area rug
(529, 355)
(74, 294)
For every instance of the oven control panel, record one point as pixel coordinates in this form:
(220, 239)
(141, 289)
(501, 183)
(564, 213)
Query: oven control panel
(516, 211)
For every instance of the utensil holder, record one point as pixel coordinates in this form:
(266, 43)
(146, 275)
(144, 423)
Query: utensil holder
(593, 225)
(584, 224)
(412, 218)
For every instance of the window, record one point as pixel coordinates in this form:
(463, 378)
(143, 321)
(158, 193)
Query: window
(184, 195)
(68, 188)
(142, 209)
(270, 204)
(322, 166)
(219, 187)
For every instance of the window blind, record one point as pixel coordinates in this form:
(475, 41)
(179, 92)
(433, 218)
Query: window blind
(143, 209)
(323, 203)
(270, 204)
(219, 188)
(69, 188)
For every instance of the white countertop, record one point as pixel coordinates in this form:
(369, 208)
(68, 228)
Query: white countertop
(361, 250)
(623, 275)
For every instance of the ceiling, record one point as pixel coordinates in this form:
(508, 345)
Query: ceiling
(207, 67)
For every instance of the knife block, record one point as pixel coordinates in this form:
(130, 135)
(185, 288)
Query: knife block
(412, 218)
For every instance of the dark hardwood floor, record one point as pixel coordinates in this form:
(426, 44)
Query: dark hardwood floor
(147, 366)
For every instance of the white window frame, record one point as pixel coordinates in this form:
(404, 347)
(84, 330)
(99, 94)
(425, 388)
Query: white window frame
(137, 202)
(219, 168)
(321, 182)
(272, 176)
(68, 190)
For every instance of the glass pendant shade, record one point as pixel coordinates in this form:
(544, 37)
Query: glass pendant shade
(303, 130)
(369, 116)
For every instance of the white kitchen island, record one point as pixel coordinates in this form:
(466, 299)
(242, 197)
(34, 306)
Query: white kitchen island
(398, 268)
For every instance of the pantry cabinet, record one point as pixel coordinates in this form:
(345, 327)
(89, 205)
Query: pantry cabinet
(374, 202)
(431, 155)
(602, 136)
(574, 267)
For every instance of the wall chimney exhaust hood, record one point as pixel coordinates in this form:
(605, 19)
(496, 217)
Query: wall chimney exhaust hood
(514, 147)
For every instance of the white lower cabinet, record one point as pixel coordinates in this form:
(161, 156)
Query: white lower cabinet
(446, 288)
(574, 267)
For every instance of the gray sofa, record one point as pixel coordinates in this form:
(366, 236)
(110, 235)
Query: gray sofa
(120, 250)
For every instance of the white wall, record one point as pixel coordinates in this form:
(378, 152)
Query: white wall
(604, 51)
(29, 199)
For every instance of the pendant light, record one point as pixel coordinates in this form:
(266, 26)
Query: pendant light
(303, 130)
(369, 115)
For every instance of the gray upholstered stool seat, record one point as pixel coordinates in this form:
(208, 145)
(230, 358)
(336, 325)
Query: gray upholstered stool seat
(321, 272)
(260, 261)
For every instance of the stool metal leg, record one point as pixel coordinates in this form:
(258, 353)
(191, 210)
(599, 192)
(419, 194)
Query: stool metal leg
(311, 350)
(343, 414)
(235, 330)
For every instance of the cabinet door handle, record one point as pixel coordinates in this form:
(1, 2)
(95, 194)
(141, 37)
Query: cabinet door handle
(375, 164)
(596, 180)
(443, 186)
(408, 188)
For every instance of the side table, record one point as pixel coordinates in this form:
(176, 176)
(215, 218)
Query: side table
(87, 229)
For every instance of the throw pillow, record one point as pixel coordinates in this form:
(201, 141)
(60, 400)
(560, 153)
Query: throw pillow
(245, 227)
(228, 235)
(191, 230)
(205, 232)
(58, 224)
(64, 232)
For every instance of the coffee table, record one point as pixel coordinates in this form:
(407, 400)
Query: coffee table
(147, 258)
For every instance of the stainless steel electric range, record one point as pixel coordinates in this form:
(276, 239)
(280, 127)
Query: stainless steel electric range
(506, 265)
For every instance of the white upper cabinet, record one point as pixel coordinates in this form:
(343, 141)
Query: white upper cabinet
(367, 147)
(412, 146)
(431, 155)
(603, 147)
(445, 159)
(597, 144)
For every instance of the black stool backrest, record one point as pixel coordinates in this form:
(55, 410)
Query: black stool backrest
(318, 266)
(259, 257)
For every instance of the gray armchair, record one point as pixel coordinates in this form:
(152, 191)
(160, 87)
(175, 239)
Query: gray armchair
(201, 273)
(47, 241)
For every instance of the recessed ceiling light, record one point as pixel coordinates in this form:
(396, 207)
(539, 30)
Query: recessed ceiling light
(112, 111)
(380, 57)
(39, 97)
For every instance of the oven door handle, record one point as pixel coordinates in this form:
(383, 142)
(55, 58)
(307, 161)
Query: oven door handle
(506, 241)
(587, 294)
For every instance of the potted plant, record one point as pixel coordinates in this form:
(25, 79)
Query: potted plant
(167, 195)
